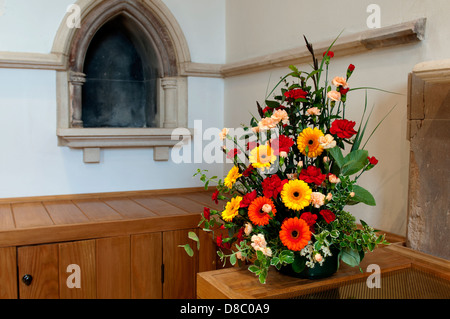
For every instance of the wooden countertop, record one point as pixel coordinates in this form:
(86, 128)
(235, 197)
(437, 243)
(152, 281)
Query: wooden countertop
(26, 221)
(239, 283)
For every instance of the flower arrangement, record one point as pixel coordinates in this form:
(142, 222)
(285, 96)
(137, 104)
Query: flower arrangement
(287, 191)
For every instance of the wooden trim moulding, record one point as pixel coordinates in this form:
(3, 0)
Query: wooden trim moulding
(124, 194)
(399, 34)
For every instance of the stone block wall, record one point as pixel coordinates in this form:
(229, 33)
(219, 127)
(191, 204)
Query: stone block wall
(429, 135)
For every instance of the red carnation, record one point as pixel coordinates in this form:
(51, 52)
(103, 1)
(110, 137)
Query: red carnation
(248, 171)
(240, 235)
(312, 175)
(373, 160)
(309, 218)
(330, 54)
(221, 244)
(328, 215)
(281, 144)
(215, 197)
(272, 186)
(233, 153)
(295, 94)
(343, 128)
(252, 145)
(207, 213)
(248, 199)
(351, 68)
(344, 91)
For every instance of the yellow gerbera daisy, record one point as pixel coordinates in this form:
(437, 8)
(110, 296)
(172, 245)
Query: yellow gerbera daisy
(262, 157)
(232, 209)
(232, 176)
(296, 194)
(309, 138)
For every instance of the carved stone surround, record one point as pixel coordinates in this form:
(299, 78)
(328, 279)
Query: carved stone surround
(429, 134)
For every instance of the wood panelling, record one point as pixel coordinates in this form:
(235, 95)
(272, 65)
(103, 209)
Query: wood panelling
(146, 262)
(65, 212)
(184, 203)
(113, 268)
(41, 262)
(81, 254)
(8, 273)
(179, 269)
(158, 206)
(97, 210)
(29, 215)
(128, 208)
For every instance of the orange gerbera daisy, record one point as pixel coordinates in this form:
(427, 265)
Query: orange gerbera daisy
(295, 233)
(259, 210)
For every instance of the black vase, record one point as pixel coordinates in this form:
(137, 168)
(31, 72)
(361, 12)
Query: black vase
(328, 268)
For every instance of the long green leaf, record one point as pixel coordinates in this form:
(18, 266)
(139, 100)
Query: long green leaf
(336, 153)
(323, 60)
(350, 257)
(379, 125)
(362, 195)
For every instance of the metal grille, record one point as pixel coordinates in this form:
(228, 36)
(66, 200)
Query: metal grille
(401, 284)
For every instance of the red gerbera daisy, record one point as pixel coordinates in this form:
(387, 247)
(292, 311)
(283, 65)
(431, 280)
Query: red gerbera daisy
(295, 234)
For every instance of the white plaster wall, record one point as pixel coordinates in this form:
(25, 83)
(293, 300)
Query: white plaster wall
(258, 27)
(31, 163)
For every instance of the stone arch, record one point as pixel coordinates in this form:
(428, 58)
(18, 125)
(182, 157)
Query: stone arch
(161, 32)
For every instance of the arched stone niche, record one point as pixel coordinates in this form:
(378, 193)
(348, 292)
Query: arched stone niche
(149, 67)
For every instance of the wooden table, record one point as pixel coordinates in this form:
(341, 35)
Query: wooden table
(402, 269)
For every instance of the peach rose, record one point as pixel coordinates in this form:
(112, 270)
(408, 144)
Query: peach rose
(259, 243)
(248, 229)
(313, 111)
(267, 123)
(292, 176)
(318, 257)
(334, 95)
(224, 133)
(266, 208)
(333, 179)
(327, 141)
(340, 81)
(239, 256)
(317, 199)
(280, 116)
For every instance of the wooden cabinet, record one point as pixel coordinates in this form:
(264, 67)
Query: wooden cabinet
(123, 257)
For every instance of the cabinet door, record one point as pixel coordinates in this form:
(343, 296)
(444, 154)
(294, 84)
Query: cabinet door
(146, 262)
(113, 268)
(40, 263)
(8, 273)
(77, 270)
(180, 270)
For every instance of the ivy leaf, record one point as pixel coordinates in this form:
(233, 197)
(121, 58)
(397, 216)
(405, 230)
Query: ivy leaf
(253, 268)
(233, 259)
(188, 249)
(194, 237)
